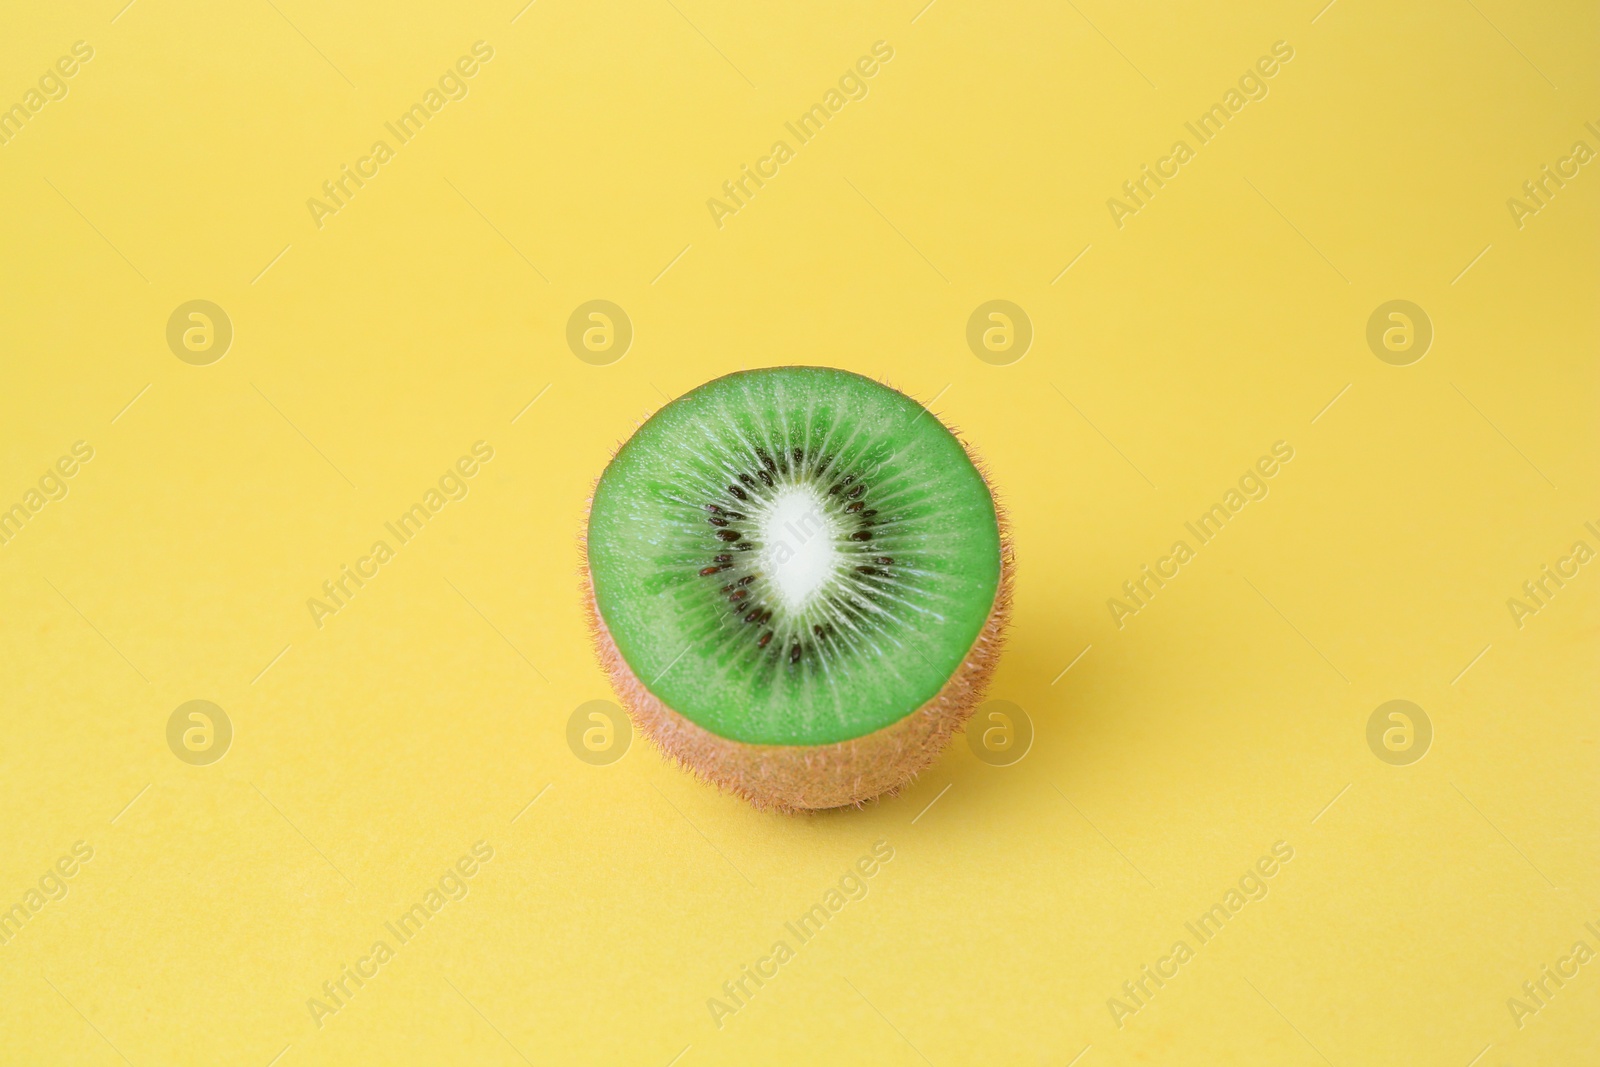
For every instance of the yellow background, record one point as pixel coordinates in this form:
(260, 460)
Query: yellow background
(370, 753)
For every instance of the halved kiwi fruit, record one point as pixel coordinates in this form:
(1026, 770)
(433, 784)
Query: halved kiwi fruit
(798, 580)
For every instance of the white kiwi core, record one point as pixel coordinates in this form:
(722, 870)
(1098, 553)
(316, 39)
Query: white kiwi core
(798, 552)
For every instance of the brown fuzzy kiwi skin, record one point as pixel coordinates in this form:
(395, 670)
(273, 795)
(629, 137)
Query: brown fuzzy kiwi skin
(794, 778)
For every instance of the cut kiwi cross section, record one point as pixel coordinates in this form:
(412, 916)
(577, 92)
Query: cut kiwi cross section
(798, 580)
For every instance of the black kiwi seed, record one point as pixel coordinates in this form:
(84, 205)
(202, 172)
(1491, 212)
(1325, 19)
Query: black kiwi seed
(861, 535)
(884, 561)
(766, 637)
(747, 579)
(742, 546)
(713, 509)
(754, 615)
(720, 557)
(764, 476)
(857, 491)
(736, 491)
(734, 515)
(817, 630)
(715, 521)
(709, 570)
(729, 535)
(738, 594)
(853, 506)
(794, 652)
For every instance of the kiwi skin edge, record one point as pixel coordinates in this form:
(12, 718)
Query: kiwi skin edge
(793, 778)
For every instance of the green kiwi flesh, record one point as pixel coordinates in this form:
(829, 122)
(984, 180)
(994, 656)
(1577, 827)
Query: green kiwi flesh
(795, 556)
